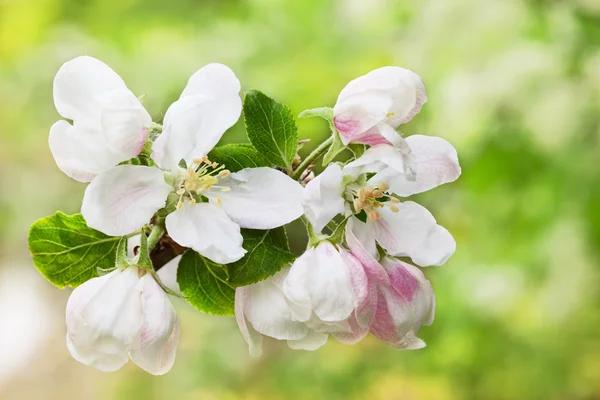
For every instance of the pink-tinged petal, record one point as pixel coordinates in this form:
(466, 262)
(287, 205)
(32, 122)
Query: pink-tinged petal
(208, 230)
(362, 319)
(259, 198)
(159, 334)
(357, 114)
(409, 282)
(394, 329)
(413, 232)
(323, 197)
(250, 335)
(370, 264)
(404, 306)
(360, 282)
(122, 200)
(434, 161)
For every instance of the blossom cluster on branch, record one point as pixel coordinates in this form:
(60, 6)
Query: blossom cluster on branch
(167, 212)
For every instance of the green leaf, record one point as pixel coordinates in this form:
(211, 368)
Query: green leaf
(204, 284)
(238, 156)
(271, 128)
(357, 149)
(267, 253)
(68, 252)
(336, 148)
(323, 112)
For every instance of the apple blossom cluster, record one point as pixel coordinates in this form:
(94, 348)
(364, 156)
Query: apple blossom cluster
(169, 213)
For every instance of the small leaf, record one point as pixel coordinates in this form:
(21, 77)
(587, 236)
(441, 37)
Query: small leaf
(68, 252)
(323, 112)
(336, 148)
(267, 253)
(357, 148)
(204, 284)
(362, 215)
(271, 128)
(238, 156)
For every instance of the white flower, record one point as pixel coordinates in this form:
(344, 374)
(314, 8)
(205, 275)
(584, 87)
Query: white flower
(109, 122)
(371, 107)
(126, 197)
(119, 316)
(401, 228)
(403, 306)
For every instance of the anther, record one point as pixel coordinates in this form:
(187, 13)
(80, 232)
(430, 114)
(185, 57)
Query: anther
(225, 189)
(383, 186)
(377, 193)
(192, 201)
(225, 173)
(218, 201)
(394, 200)
(393, 209)
(180, 192)
(215, 164)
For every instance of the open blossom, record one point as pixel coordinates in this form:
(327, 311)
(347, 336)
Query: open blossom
(109, 122)
(401, 228)
(120, 316)
(121, 199)
(371, 107)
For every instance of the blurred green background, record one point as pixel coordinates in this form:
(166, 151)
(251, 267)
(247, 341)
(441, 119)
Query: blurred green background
(514, 85)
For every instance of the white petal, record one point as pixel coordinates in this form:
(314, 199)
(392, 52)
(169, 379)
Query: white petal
(250, 335)
(124, 123)
(159, 334)
(91, 94)
(108, 325)
(435, 163)
(77, 85)
(123, 199)
(311, 342)
(359, 236)
(376, 159)
(267, 311)
(168, 274)
(413, 232)
(79, 152)
(260, 198)
(209, 105)
(320, 282)
(208, 230)
(102, 362)
(323, 197)
(405, 88)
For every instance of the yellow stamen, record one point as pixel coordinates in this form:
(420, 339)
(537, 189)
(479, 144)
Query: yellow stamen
(394, 209)
(192, 201)
(225, 189)
(225, 173)
(218, 201)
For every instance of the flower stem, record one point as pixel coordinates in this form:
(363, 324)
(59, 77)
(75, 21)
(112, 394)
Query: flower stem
(316, 153)
(157, 232)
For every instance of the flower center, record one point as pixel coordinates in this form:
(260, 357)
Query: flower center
(370, 198)
(201, 176)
